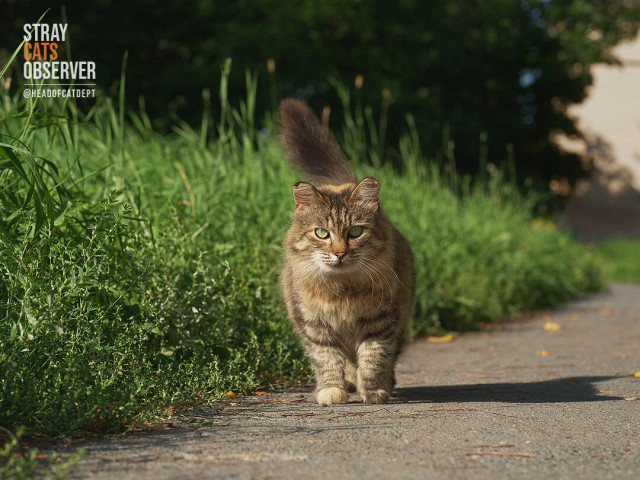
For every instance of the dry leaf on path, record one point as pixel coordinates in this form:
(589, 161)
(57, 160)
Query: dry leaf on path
(543, 353)
(443, 339)
(551, 326)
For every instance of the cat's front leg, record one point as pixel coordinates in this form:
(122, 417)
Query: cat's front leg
(328, 364)
(375, 377)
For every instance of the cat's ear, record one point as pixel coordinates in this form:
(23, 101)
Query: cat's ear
(366, 194)
(305, 195)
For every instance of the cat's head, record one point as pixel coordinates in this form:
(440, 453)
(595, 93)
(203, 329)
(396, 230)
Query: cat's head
(336, 229)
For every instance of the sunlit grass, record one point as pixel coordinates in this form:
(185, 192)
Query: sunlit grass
(621, 259)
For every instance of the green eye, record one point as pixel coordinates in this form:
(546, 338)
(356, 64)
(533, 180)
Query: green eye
(321, 233)
(355, 232)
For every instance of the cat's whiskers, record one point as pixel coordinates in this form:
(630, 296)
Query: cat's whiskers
(380, 276)
(309, 270)
(324, 279)
(372, 264)
(377, 274)
(362, 267)
(306, 270)
(387, 267)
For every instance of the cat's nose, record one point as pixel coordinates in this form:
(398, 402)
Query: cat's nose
(339, 254)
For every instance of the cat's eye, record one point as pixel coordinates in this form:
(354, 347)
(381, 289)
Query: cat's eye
(355, 232)
(321, 233)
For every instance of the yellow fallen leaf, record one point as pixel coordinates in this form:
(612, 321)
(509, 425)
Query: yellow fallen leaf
(231, 394)
(543, 353)
(443, 339)
(551, 326)
(636, 374)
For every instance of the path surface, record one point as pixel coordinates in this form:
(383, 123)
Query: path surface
(486, 405)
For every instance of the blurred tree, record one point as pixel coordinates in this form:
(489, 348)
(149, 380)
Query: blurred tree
(497, 75)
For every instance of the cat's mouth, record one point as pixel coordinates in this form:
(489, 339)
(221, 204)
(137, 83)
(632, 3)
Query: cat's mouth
(333, 264)
(338, 265)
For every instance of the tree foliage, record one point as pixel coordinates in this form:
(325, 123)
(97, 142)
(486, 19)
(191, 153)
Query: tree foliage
(495, 75)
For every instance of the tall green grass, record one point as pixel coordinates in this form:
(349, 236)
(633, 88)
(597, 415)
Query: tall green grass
(621, 258)
(138, 272)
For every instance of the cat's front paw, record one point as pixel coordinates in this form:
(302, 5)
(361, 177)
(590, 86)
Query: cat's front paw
(376, 396)
(331, 395)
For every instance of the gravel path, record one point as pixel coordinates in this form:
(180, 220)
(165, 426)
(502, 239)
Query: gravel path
(518, 401)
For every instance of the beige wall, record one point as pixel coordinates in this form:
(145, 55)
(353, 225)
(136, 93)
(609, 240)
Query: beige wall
(609, 202)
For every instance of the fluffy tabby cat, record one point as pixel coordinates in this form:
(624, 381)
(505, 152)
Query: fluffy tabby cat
(347, 278)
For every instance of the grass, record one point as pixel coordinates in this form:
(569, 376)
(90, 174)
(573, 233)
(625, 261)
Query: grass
(138, 272)
(18, 462)
(621, 258)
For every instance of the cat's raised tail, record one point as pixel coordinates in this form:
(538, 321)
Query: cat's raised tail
(310, 147)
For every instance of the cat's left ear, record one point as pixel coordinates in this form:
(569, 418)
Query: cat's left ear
(305, 195)
(366, 193)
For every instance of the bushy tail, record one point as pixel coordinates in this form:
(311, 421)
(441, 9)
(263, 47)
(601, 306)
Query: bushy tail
(309, 146)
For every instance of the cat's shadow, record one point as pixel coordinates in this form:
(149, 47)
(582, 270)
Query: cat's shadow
(558, 390)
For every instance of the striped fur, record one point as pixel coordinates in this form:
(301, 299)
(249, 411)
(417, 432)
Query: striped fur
(348, 296)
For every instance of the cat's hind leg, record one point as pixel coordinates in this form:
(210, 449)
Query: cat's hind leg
(350, 376)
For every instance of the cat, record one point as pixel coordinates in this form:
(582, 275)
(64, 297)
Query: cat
(347, 277)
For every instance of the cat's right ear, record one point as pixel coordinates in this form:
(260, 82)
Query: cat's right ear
(305, 195)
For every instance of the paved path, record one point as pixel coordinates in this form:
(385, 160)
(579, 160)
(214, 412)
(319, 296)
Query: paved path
(519, 401)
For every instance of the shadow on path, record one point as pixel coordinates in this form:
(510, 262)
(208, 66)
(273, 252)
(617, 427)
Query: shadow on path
(560, 390)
